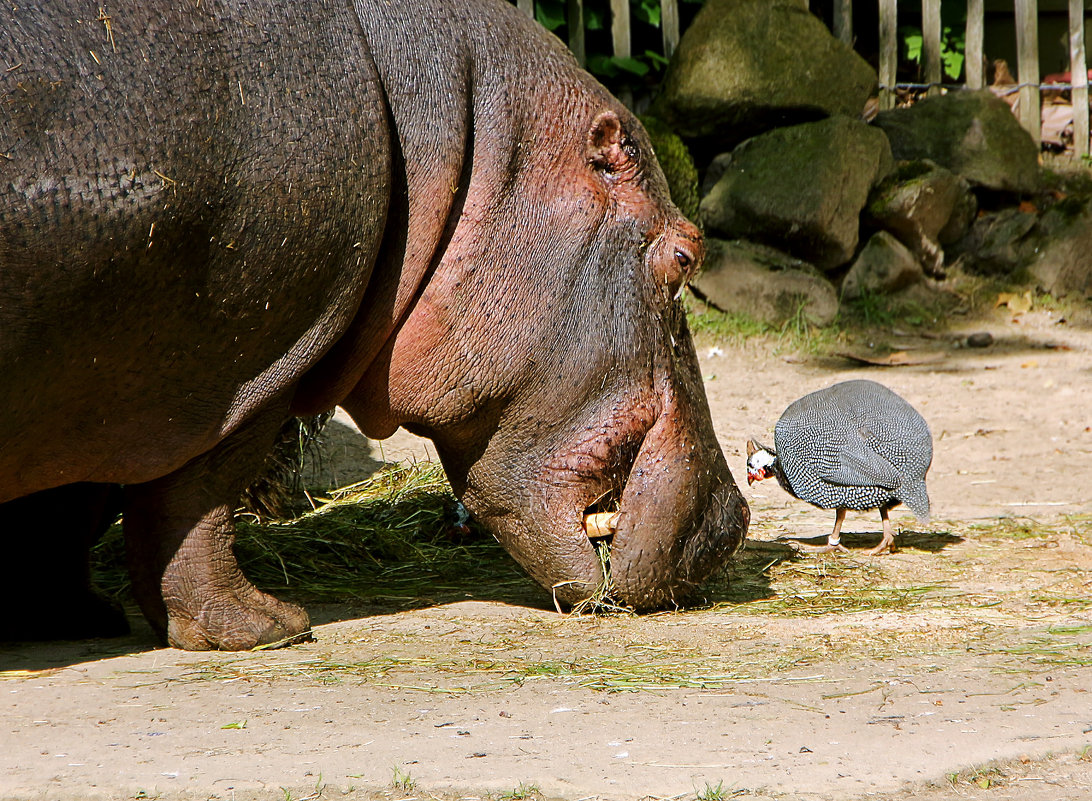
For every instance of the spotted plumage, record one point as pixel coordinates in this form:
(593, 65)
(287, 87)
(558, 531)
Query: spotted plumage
(855, 445)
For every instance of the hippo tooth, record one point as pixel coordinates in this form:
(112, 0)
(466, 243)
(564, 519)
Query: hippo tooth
(600, 524)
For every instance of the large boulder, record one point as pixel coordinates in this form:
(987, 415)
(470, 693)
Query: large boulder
(973, 134)
(714, 172)
(883, 267)
(925, 206)
(745, 66)
(677, 164)
(1000, 243)
(1062, 264)
(800, 188)
(762, 283)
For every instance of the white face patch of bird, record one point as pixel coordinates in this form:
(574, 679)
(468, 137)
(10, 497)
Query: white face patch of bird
(760, 465)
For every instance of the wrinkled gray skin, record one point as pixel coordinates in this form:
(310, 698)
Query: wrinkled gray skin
(420, 210)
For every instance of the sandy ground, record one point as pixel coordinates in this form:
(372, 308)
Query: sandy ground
(978, 688)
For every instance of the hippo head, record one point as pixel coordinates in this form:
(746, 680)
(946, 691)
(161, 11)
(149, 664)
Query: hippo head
(548, 357)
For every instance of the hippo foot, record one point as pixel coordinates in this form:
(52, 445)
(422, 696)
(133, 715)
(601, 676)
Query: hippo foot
(237, 621)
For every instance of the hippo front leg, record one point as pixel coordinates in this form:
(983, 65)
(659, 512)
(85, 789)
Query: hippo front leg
(179, 531)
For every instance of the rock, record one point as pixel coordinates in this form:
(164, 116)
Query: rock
(745, 278)
(745, 66)
(973, 134)
(800, 188)
(714, 172)
(959, 224)
(980, 339)
(1062, 264)
(918, 202)
(677, 164)
(884, 266)
(999, 244)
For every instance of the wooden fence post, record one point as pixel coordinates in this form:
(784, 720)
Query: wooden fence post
(930, 44)
(1027, 64)
(975, 57)
(575, 19)
(620, 35)
(669, 25)
(1078, 73)
(843, 21)
(889, 52)
(619, 28)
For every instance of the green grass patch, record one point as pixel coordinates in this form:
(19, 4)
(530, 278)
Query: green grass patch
(1026, 528)
(629, 670)
(785, 584)
(885, 322)
(1046, 652)
(873, 311)
(794, 335)
(522, 792)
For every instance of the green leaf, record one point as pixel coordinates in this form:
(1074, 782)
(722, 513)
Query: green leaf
(656, 59)
(913, 46)
(236, 725)
(648, 11)
(550, 14)
(601, 66)
(594, 19)
(631, 65)
(953, 64)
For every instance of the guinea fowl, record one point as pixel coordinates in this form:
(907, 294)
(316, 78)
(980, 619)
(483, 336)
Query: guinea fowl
(855, 445)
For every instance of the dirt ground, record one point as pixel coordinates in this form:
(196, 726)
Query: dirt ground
(959, 666)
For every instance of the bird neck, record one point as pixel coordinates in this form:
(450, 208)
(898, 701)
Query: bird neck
(779, 474)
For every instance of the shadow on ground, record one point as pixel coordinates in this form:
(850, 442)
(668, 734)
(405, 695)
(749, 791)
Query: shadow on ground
(926, 541)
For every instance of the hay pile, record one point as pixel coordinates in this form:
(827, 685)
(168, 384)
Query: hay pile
(395, 541)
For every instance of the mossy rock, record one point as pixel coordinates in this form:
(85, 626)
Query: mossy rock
(973, 134)
(743, 277)
(677, 165)
(801, 189)
(745, 66)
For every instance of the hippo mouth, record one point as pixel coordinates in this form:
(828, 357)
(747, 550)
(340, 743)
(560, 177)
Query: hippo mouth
(635, 510)
(657, 518)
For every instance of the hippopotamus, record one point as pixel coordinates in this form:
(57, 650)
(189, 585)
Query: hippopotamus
(217, 215)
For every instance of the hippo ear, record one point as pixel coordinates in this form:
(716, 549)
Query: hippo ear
(610, 148)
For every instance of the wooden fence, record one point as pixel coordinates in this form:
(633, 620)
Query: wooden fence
(1026, 14)
(1028, 86)
(619, 26)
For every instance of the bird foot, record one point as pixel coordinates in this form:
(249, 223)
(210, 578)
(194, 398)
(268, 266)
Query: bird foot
(883, 547)
(836, 547)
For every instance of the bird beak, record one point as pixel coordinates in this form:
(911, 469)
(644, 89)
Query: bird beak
(758, 475)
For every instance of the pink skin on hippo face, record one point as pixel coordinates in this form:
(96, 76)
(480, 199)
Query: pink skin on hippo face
(596, 395)
(462, 233)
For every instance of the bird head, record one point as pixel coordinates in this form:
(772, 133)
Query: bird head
(760, 462)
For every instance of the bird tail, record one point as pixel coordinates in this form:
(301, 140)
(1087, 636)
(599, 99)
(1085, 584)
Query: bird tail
(916, 499)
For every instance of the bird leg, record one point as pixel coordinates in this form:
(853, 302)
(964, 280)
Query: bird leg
(834, 541)
(888, 541)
